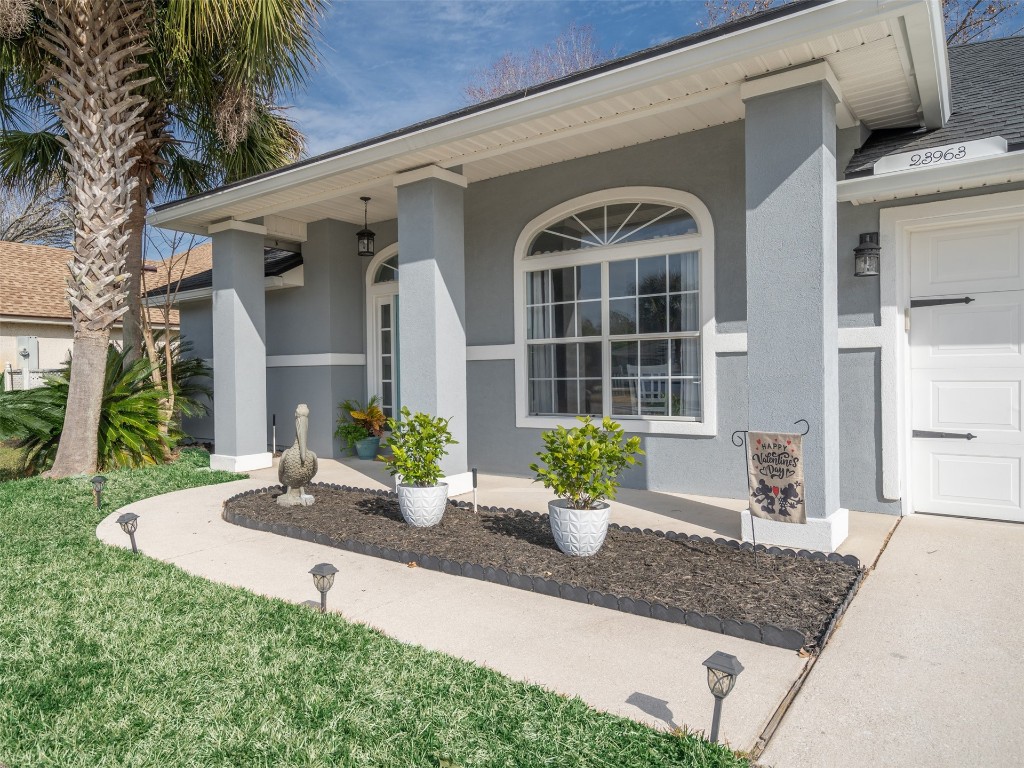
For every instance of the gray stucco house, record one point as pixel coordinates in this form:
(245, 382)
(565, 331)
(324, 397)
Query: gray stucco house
(668, 239)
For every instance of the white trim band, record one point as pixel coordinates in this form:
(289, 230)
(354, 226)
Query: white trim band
(855, 337)
(431, 172)
(315, 360)
(966, 174)
(237, 226)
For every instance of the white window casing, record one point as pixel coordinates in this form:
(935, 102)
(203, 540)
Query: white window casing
(701, 242)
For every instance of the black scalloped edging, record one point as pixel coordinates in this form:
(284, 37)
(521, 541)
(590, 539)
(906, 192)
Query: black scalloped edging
(768, 634)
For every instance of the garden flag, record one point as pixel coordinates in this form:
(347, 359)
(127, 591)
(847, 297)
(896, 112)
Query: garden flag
(775, 474)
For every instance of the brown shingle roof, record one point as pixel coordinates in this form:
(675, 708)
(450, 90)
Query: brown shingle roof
(33, 279)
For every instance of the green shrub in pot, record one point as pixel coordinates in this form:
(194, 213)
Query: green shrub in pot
(418, 442)
(582, 466)
(361, 426)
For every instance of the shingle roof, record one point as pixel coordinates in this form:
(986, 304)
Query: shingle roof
(33, 280)
(276, 261)
(987, 94)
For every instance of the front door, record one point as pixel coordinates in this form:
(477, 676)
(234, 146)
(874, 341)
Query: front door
(967, 369)
(386, 352)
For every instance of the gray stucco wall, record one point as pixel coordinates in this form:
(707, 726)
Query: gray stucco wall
(196, 320)
(710, 165)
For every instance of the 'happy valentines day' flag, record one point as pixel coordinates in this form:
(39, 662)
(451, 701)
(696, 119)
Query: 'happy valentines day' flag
(775, 473)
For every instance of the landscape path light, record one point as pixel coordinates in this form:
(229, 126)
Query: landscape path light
(97, 489)
(129, 523)
(323, 579)
(723, 669)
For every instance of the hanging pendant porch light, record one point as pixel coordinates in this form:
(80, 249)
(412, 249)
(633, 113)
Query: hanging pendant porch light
(364, 237)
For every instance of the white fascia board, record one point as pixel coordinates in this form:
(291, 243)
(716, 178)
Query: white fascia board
(786, 31)
(926, 41)
(967, 174)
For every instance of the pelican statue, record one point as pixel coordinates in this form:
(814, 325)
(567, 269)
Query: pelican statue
(297, 465)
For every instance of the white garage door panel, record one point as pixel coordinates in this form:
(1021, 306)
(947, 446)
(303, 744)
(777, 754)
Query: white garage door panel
(970, 481)
(988, 332)
(985, 402)
(967, 366)
(976, 257)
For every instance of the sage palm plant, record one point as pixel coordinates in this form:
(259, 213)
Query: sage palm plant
(120, 99)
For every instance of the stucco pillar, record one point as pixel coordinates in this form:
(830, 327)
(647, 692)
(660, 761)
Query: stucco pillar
(792, 312)
(239, 349)
(432, 310)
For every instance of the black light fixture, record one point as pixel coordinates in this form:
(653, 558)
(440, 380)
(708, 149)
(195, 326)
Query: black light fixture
(866, 255)
(723, 669)
(129, 523)
(364, 237)
(97, 489)
(323, 580)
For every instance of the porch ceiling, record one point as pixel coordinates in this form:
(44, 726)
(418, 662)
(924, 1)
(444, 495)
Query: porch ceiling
(888, 78)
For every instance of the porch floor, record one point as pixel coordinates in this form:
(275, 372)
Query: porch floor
(683, 513)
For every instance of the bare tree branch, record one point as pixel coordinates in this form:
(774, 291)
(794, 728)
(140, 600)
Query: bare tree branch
(39, 217)
(573, 50)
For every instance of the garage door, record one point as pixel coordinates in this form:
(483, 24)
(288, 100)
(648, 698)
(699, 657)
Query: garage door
(967, 361)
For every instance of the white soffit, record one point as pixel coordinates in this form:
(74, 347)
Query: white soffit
(677, 92)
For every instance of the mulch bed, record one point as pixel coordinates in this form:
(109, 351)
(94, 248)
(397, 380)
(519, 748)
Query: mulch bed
(728, 582)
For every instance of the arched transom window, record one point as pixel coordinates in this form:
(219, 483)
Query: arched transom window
(387, 272)
(613, 310)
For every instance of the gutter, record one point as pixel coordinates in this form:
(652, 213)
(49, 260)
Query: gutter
(967, 174)
(784, 26)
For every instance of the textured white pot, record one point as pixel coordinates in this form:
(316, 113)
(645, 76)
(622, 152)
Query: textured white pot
(578, 532)
(422, 507)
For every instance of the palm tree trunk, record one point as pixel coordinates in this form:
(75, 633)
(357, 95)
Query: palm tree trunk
(93, 83)
(132, 334)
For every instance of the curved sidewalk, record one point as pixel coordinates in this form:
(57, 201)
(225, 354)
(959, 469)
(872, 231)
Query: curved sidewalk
(640, 668)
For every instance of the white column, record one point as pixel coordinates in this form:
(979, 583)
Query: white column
(792, 312)
(239, 349)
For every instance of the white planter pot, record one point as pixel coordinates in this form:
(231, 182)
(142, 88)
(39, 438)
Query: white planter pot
(578, 532)
(422, 507)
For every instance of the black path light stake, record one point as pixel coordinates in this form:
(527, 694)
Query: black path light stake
(723, 669)
(129, 523)
(97, 489)
(323, 579)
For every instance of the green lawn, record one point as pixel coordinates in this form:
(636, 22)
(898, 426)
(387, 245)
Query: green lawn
(110, 659)
(10, 462)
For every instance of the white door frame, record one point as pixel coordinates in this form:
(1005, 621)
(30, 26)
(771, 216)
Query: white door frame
(896, 225)
(373, 293)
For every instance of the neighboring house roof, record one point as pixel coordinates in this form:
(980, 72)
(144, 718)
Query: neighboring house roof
(987, 94)
(33, 281)
(276, 261)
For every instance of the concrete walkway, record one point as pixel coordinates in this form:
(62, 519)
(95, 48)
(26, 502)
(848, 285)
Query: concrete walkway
(927, 667)
(575, 649)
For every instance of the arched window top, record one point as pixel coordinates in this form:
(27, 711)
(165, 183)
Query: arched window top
(612, 224)
(387, 272)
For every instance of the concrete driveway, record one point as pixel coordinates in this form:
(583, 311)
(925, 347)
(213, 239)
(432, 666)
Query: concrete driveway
(927, 667)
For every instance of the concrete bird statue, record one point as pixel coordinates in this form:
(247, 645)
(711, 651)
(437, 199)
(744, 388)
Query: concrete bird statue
(297, 465)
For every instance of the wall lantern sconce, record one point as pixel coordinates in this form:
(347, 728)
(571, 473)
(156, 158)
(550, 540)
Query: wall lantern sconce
(323, 580)
(364, 237)
(723, 669)
(129, 523)
(97, 489)
(866, 255)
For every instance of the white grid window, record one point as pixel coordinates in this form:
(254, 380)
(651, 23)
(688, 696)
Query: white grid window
(615, 313)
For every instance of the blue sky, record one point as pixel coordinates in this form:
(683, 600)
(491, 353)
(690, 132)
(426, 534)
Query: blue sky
(388, 63)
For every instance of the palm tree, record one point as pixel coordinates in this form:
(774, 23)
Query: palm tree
(121, 99)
